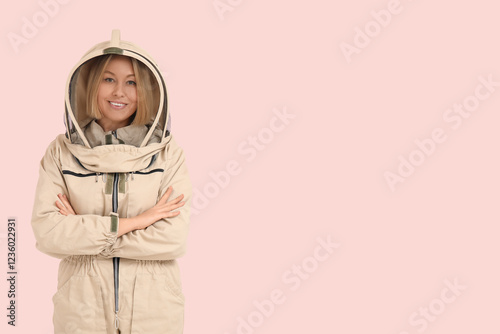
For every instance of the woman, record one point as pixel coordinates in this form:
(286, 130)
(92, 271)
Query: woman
(124, 193)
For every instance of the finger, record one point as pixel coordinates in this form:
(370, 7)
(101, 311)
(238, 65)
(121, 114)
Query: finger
(60, 206)
(176, 200)
(64, 200)
(67, 206)
(166, 195)
(178, 205)
(62, 210)
(169, 208)
(171, 214)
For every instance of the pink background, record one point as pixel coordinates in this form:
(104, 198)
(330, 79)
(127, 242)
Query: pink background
(321, 175)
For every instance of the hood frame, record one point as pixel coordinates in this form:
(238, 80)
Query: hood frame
(124, 48)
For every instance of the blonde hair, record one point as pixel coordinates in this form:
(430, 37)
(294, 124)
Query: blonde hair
(146, 84)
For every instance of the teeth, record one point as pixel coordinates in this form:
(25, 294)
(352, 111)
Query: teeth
(117, 104)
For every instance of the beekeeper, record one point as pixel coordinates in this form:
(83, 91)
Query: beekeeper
(113, 199)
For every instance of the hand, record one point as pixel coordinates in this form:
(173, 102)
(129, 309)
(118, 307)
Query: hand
(65, 208)
(162, 209)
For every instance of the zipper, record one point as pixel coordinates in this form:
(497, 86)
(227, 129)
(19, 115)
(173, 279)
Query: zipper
(116, 260)
(68, 172)
(158, 170)
(114, 199)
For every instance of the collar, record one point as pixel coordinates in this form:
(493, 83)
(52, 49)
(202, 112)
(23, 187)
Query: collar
(129, 135)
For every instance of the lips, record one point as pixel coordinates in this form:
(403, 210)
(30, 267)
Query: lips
(117, 105)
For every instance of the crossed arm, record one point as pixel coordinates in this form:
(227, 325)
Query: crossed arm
(159, 233)
(162, 209)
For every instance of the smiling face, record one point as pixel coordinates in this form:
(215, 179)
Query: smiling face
(117, 94)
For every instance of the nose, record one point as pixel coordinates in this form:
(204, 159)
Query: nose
(118, 90)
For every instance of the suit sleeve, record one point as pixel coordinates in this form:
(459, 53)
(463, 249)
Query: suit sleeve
(166, 238)
(56, 234)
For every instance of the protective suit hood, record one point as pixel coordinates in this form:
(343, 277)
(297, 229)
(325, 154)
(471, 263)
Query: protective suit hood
(81, 129)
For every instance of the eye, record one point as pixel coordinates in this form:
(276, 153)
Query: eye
(108, 79)
(131, 82)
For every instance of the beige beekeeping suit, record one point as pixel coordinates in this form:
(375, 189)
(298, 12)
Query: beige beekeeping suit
(110, 284)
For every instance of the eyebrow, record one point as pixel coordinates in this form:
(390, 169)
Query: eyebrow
(130, 75)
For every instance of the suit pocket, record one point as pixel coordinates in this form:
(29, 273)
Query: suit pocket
(78, 307)
(86, 191)
(158, 307)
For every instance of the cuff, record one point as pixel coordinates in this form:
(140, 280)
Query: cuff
(111, 236)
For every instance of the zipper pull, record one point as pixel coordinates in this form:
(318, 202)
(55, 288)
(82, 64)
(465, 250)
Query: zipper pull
(117, 322)
(97, 177)
(132, 174)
